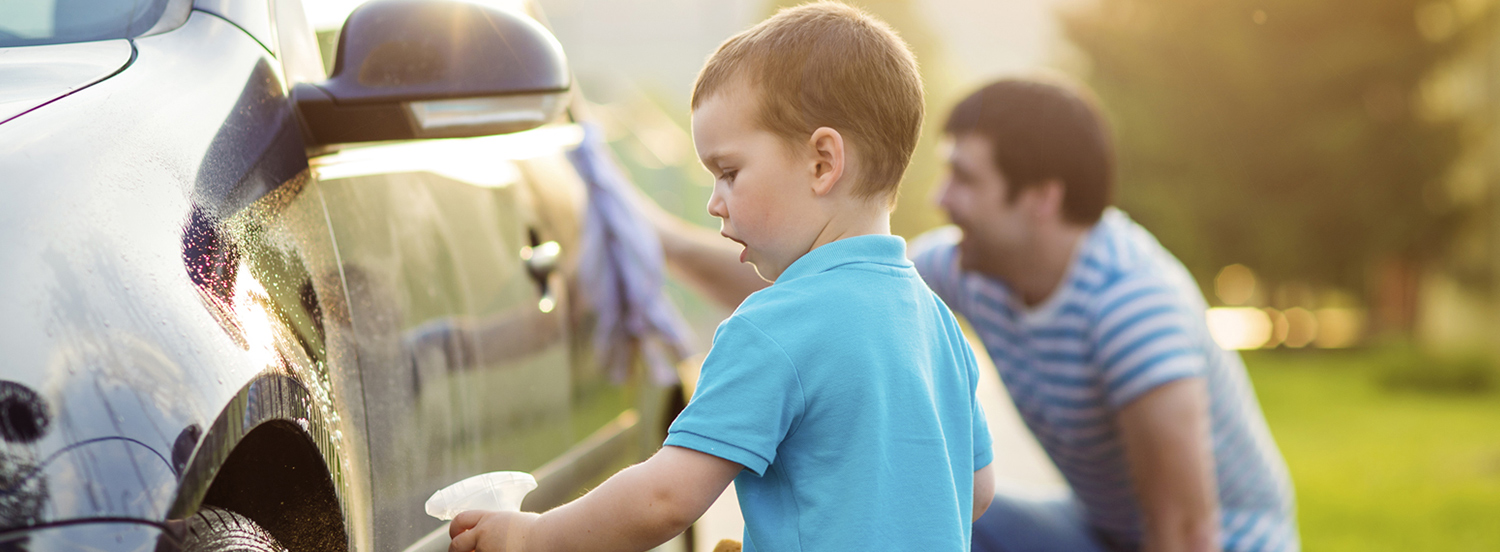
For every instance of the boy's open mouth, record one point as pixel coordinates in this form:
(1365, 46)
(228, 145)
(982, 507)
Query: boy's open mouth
(744, 251)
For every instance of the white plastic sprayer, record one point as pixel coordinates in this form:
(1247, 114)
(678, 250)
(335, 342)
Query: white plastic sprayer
(487, 491)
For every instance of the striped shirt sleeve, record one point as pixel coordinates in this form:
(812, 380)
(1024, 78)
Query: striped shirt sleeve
(935, 255)
(1144, 338)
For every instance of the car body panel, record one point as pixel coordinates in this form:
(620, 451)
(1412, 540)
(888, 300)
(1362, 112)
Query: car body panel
(179, 275)
(253, 16)
(464, 364)
(35, 75)
(117, 535)
(127, 345)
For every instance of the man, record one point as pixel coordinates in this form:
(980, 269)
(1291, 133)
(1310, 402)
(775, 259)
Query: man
(1097, 332)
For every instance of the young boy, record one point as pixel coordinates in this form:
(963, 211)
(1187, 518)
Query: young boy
(840, 399)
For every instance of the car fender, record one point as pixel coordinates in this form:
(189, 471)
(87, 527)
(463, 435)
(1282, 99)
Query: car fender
(130, 370)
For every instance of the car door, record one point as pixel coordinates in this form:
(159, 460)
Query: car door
(463, 348)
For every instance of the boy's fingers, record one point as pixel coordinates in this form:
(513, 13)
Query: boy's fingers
(463, 522)
(464, 542)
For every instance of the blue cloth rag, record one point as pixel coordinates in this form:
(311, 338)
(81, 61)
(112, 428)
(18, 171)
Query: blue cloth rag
(620, 268)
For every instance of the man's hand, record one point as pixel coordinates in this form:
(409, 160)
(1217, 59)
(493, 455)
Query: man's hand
(490, 531)
(1170, 450)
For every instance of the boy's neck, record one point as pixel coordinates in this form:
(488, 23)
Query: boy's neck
(853, 218)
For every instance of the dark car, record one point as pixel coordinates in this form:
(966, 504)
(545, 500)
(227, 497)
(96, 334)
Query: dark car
(243, 298)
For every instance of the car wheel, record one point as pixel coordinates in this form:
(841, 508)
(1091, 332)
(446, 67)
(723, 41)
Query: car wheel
(214, 529)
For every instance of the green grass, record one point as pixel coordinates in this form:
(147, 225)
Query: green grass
(1377, 468)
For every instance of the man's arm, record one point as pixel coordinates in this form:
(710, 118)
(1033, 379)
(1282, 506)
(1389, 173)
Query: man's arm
(637, 509)
(984, 489)
(1170, 450)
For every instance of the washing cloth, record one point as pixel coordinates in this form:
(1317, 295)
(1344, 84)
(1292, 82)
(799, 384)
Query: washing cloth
(620, 268)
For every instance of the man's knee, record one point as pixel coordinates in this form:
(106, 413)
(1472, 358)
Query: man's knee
(1018, 522)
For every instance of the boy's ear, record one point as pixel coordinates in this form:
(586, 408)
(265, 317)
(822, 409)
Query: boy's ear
(828, 159)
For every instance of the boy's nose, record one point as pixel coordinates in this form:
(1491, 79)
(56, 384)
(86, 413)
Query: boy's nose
(716, 205)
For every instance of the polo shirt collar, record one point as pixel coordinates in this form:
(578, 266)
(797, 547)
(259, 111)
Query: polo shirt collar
(871, 248)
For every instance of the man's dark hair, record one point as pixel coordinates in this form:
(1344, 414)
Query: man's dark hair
(1040, 131)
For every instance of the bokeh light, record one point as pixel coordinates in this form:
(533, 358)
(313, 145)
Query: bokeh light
(1240, 327)
(1339, 327)
(1278, 328)
(1302, 327)
(1235, 285)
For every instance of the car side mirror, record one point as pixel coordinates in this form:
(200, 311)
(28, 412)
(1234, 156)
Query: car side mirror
(411, 69)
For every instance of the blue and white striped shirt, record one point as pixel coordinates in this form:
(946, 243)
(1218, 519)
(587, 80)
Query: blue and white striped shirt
(1126, 318)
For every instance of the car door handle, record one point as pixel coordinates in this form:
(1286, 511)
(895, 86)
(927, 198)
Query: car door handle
(541, 259)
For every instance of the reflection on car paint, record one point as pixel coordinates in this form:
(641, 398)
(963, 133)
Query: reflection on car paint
(24, 418)
(36, 75)
(202, 296)
(258, 148)
(481, 161)
(24, 415)
(123, 361)
(116, 536)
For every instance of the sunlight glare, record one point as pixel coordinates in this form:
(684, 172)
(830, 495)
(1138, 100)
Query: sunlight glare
(1238, 328)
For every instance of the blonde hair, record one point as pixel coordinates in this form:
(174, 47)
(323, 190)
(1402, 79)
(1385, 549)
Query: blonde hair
(828, 64)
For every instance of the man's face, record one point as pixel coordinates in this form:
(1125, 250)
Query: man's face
(974, 195)
(762, 189)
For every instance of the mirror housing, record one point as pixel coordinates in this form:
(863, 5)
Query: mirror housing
(412, 69)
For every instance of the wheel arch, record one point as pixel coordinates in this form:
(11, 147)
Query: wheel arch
(272, 456)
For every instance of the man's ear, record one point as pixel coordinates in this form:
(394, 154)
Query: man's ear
(828, 159)
(1046, 199)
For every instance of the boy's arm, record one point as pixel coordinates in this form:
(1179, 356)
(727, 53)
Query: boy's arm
(984, 489)
(1167, 442)
(637, 509)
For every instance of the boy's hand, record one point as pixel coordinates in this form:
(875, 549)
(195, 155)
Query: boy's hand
(637, 509)
(487, 531)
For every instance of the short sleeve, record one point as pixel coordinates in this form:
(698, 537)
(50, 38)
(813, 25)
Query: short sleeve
(984, 452)
(935, 255)
(748, 399)
(1147, 335)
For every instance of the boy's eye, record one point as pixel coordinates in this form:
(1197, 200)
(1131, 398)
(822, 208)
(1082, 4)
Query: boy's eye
(728, 176)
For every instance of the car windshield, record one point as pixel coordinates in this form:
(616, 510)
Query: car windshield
(36, 22)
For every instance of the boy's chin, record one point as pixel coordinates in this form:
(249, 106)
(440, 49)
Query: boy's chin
(764, 273)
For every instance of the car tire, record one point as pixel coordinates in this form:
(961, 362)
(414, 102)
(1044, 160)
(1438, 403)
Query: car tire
(214, 529)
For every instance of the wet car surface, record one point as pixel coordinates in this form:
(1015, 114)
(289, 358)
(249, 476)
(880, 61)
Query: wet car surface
(208, 303)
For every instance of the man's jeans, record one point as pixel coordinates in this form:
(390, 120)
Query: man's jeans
(1028, 522)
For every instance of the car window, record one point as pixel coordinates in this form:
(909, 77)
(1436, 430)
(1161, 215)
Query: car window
(36, 22)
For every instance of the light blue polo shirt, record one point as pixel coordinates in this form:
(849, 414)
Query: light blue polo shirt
(847, 392)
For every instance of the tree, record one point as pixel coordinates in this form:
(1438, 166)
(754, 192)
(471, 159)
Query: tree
(1283, 134)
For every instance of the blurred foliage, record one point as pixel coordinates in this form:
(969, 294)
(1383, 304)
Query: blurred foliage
(1283, 134)
(1377, 470)
(1407, 368)
(915, 212)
